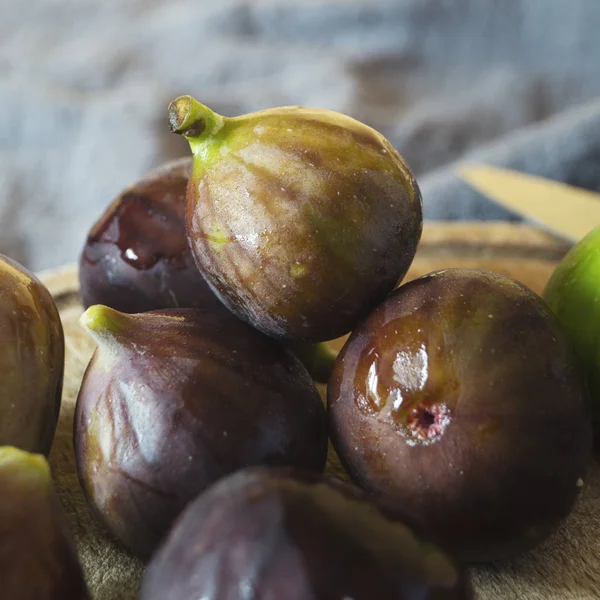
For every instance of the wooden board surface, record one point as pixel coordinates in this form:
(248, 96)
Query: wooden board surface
(567, 567)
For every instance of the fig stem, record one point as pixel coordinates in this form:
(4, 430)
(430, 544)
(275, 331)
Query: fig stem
(24, 464)
(102, 322)
(194, 121)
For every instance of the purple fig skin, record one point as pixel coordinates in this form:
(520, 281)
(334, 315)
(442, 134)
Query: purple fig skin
(32, 358)
(460, 401)
(301, 220)
(136, 257)
(265, 534)
(37, 555)
(173, 401)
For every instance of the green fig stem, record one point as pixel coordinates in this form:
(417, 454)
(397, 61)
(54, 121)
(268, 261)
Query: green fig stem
(318, 359)
(22, 465)
(194, 121)
(103, 323)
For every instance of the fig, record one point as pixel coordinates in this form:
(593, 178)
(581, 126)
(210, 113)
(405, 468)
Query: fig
(301, 220)
(573, 293)
(136, 257)
(37, 554)
(172, 401)
(31, 360)
(263, 533)
(460, 401)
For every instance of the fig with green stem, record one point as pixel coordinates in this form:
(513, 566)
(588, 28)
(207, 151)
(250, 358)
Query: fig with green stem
(300, 219)
(172, 401)
(37, 554)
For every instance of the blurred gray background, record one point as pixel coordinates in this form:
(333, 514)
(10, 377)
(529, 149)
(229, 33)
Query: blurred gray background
(84, 87)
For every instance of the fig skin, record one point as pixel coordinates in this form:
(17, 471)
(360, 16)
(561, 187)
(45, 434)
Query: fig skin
(31, 360)
(37, 554)
(301, 220)
(173, 401)
(573, 294)
(460, 401)
(136, 257)
(266, 533)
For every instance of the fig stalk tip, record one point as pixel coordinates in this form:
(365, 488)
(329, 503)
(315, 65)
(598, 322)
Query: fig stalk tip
(24, 463)
(102, 322)
(193, 120)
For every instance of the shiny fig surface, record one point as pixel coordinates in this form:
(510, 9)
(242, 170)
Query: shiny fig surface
(173, 401)
(136, 257)
(460, 401)
(265, 534)
(300, 219)
(31, 360)
(37, 555)
(573, 294)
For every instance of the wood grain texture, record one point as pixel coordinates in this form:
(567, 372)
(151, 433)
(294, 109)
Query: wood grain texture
(566, 567)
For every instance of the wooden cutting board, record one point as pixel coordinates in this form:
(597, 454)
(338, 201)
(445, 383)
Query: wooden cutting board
(566, 567)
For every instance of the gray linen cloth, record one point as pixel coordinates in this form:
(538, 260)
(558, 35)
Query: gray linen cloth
(84, 86)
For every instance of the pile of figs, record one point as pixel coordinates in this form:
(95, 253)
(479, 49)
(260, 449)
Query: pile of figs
(457, 405)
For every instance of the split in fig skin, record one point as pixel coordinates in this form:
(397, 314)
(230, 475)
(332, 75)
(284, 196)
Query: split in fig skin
(136, 257)
(37, 555)
(460, 401)
(31, 360)
(277, 533)
(173, 401)
(301, 220)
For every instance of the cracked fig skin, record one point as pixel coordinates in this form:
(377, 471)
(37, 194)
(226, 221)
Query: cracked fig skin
(270, 534)
(174, 400)
(301, 220)
(460, 401)
(37, 555)
(31, 360)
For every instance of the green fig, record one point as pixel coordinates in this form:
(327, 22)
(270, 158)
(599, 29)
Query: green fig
(173, 401)
(31, 360)
(38, 560)
(573, 293)
(301, 220)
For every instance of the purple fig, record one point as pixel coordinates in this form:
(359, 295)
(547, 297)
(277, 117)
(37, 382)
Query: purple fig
(173, 401)
(263, 534)
(301, 220)
(136, 257)
(31, 360)
(37, 555)
(460, 401)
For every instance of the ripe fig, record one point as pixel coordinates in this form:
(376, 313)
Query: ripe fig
(136, 257)
(573, 293)
(173, 401)
(31, 360)
(37, 555)
(300, 219)
(266, 533)
(460, 401)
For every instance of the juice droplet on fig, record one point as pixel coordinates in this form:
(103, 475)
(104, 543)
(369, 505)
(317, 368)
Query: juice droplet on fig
(146, 225)
(407, 384)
